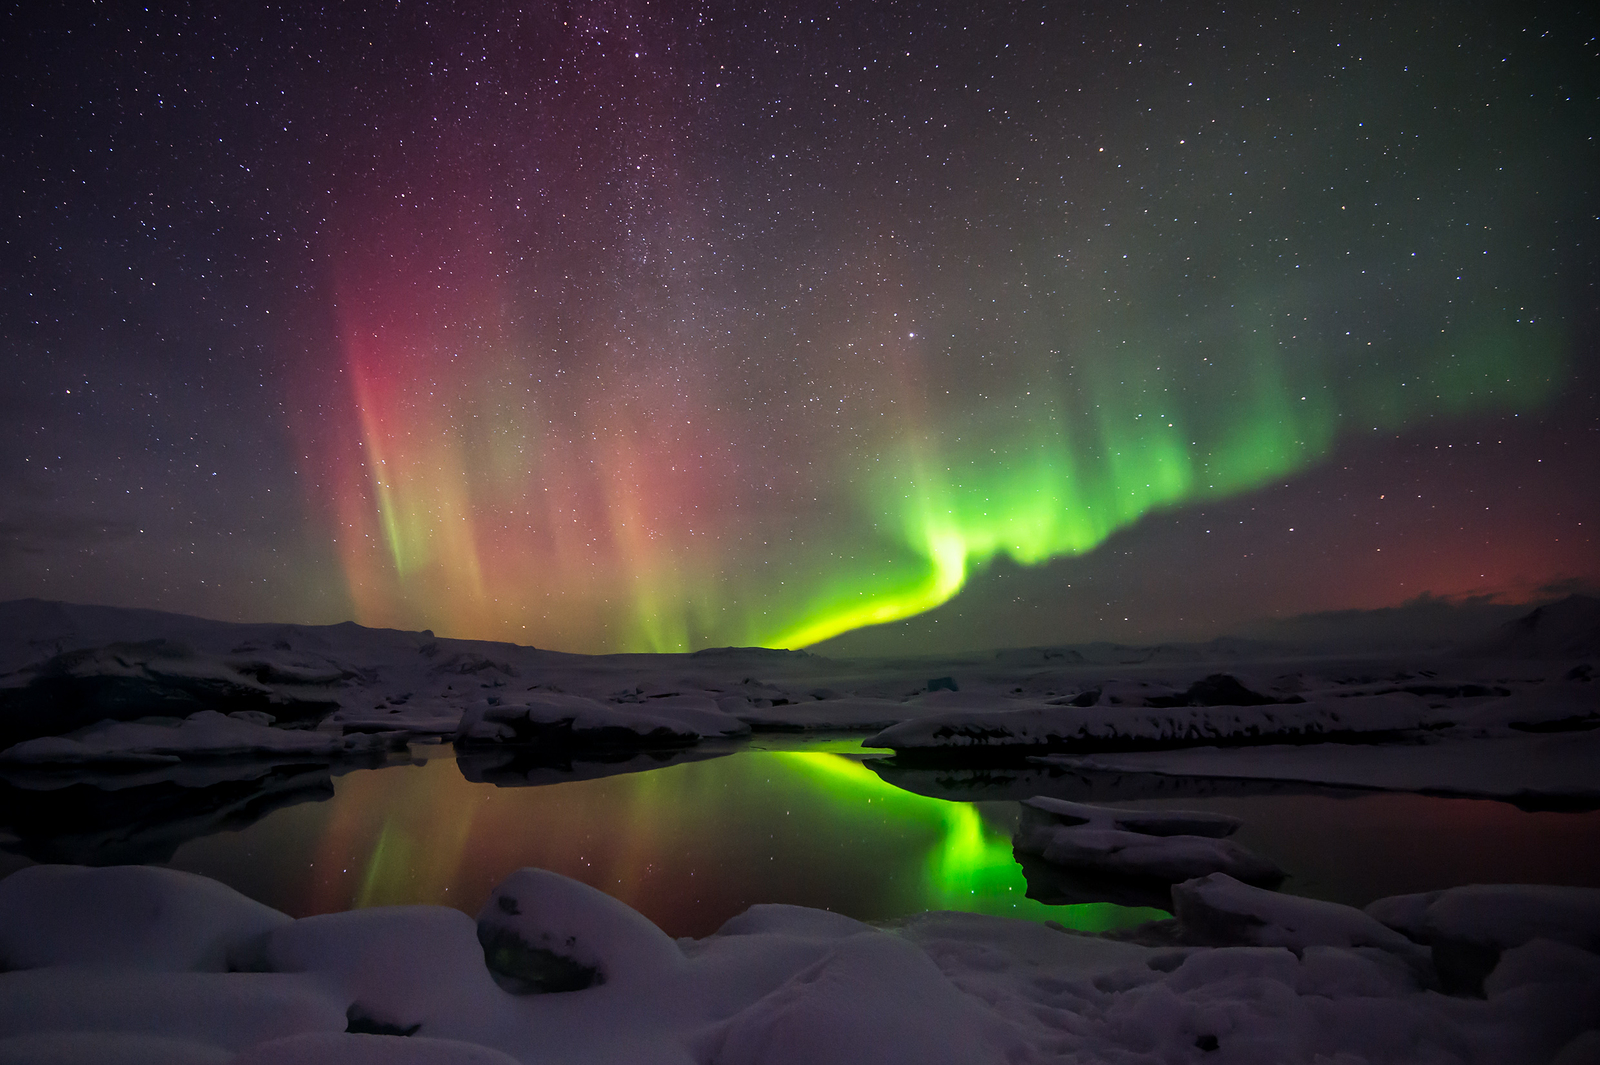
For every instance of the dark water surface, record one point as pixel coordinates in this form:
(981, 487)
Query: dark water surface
(797, 821)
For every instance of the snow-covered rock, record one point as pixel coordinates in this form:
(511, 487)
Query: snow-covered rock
(543, 932)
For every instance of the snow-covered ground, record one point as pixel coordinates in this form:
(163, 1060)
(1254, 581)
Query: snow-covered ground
(134, 964)
(139, 964)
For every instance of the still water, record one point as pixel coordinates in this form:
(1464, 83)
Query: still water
(694, 843)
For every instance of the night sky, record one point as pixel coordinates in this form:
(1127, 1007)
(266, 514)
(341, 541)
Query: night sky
(654, 326)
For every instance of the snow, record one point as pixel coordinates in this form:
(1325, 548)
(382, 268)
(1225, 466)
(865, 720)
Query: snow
(1086, 727)
(1169, 846)
(1220, 909)
(1292, 980)
(139, 964)
(141, 917)
(342, 1048)
(108, 1048)
(1496, 915)
(1556, 766)
(205, 733)
(540, 911)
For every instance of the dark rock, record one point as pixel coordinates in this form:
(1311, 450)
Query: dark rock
(523, 969)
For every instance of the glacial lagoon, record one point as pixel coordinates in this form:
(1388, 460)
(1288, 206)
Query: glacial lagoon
(694, 838)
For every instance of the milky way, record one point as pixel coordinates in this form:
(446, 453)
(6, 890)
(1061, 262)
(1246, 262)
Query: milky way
(662, 326)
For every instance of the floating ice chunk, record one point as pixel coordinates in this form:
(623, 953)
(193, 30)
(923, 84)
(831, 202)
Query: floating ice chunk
(576, 720)
(1220, 909)
(1167, 858)
(842, 713)
(542, 932)
(1149, 822)
(203, 733)
(347, 1049)
(136, 917)
(108, 1048)
(401, 968)
(1151, 844)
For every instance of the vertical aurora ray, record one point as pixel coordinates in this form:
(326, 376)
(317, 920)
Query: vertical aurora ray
(629, 364)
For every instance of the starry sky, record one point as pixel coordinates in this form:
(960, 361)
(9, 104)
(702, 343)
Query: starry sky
(888, 327)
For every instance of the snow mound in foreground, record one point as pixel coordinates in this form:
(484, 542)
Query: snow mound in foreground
(128, 917)
(126, 972)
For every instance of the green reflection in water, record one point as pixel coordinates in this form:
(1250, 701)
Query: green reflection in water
(970, 867)
(690, 845)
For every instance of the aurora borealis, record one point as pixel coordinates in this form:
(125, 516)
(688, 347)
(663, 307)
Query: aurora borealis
(658, 326)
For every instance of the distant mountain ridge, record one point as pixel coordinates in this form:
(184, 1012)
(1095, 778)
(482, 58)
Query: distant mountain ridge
(1567, 628)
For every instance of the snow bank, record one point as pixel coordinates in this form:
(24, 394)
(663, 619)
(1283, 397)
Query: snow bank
(576, 721)
(1157, 845)
(1558, 767)
(204, 734)
(778, 985)
(343, 1048)
(108, 1048)
(1496, 915)
(842, 714)
(130, 917)
(1046, 728)
(1219, 909)
(869, 991)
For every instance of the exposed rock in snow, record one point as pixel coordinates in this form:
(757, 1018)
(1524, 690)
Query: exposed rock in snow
(543, 932)
(1166, 846)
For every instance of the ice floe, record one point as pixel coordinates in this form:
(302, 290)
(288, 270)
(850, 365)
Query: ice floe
(1166, 846)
